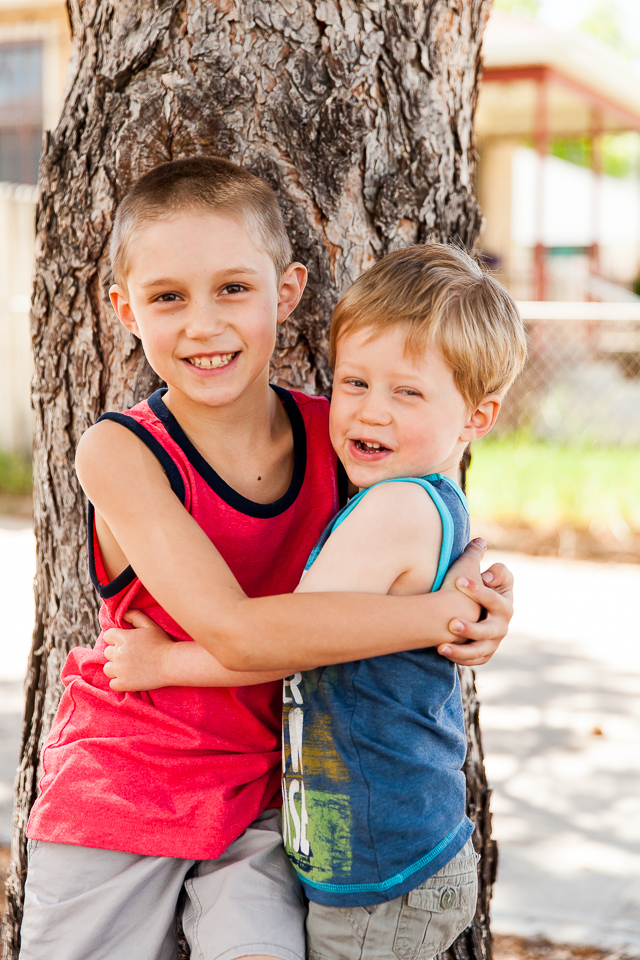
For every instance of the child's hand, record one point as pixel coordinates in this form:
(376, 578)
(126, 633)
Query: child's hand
(135, 657)
(493, 591)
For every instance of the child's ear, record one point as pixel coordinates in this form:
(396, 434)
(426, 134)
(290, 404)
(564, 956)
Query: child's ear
(120, 303)
(292, 285)
(482, 418)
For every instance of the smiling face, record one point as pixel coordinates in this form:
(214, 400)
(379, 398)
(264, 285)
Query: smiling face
(393, 415)
(205, 301)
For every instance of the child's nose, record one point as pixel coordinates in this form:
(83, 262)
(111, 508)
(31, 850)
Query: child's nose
(203, 321)
(374, 410)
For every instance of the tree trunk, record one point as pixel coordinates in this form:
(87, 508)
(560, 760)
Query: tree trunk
(358, 112)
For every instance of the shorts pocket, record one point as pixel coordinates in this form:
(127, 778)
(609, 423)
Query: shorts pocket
(434, 914)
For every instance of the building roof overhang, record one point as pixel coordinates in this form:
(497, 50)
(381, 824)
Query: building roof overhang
(586, 87)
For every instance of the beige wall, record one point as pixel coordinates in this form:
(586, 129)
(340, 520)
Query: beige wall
(17, 241)
(494, 194)
(24, 20)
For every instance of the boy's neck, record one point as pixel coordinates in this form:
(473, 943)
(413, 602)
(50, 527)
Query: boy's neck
(249, 442)
(452, 472)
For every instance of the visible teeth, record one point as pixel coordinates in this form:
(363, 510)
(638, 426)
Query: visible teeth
(208, 363)
(370, 446)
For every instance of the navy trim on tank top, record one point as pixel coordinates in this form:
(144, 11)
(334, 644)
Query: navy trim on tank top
(230, 496)
(174, 476)
(166, 460)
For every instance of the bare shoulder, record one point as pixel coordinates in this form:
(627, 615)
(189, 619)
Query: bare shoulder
(102, 438)
(109, 453)
(393, 518)
(381, 544)
(400, 507)
(407, 533)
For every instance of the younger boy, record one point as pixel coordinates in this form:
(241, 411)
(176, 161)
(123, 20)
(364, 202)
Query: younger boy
(153, 800)
(424, 347)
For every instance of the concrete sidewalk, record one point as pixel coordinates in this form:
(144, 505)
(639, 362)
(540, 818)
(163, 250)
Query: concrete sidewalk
(561, 728)
(17, 567)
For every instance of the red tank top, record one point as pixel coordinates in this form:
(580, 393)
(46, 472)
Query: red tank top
(182, 771)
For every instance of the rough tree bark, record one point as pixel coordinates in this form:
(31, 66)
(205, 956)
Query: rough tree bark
(358, 112)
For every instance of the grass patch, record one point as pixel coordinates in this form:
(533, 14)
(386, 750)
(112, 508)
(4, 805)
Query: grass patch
(519, 479)
(15, 474)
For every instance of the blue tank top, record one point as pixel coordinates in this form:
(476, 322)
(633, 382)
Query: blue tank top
(373, 788)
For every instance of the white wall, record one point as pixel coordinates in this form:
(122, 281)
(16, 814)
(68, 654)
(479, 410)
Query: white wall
(17, 242)
(568, 215)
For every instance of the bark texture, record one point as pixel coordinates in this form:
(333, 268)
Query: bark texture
(358, 112)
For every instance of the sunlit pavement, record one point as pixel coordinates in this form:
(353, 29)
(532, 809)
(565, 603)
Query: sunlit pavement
(561, 731)
(561, 728)
(17, 567)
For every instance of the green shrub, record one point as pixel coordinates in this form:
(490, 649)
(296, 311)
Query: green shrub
(15, 473)
(519, 479)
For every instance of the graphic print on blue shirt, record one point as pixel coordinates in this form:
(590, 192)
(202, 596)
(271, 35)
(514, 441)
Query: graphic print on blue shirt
(373, 788)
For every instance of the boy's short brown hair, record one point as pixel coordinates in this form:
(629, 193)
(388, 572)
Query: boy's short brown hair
(439, 295)
(200, 183)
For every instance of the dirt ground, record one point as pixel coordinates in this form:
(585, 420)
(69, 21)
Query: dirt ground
(519, 948)
(15, 505)
(570, 543)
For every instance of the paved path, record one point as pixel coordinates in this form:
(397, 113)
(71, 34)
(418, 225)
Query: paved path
(17, 566)
(561, 727)
(561, 731)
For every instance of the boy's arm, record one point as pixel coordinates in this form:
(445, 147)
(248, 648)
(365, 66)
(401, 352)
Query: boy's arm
(395, 530)
(146, 658)
(181, 568)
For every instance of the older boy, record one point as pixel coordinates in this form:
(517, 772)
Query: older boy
(152, 800)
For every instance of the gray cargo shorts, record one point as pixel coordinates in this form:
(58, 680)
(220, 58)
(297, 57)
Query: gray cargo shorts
(416, 926)
(88, 904)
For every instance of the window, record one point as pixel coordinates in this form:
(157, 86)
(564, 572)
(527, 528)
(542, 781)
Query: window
(20, 111)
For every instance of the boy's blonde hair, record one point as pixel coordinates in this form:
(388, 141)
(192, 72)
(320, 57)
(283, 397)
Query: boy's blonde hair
(439, 295)
(200, 183)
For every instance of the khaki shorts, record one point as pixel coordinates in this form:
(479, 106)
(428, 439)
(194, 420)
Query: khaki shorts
(87, 904)
(416, 926)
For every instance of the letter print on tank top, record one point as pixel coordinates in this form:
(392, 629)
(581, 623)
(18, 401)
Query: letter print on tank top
(317, 823)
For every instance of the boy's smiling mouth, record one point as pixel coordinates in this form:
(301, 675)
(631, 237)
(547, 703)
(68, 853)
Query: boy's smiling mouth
(211, 362)
(369, 449)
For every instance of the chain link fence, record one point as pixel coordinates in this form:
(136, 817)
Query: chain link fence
(582, 380)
